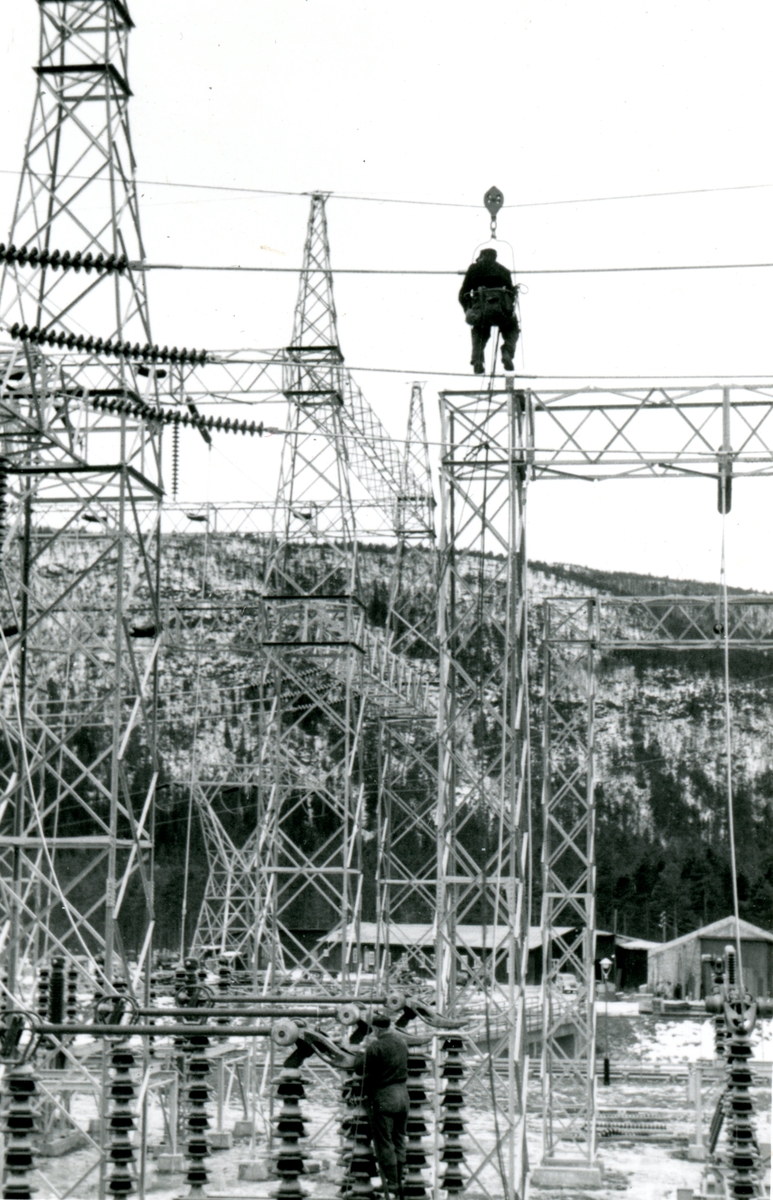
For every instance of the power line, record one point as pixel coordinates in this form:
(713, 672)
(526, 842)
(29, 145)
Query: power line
(743, 266)
(253, 191)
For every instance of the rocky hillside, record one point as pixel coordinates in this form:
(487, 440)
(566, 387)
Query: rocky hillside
(662, 844)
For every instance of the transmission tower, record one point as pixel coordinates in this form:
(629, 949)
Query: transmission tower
(341, 474)
(407, 771)
(482, 850)
(81, 628)
(313, 801)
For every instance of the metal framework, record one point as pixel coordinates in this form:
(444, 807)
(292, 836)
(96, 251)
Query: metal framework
(78, 720)
(80, 616)
(653, 432)
(482, 844)
(568, 919)
(577, 632)
(312, 806)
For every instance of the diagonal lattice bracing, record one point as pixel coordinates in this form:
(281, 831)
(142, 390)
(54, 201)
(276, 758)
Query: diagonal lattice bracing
(76, 228)
(312, 799)
(81, 630)
(601, 433)
(483, 740)
(79, 595)
(577, 632)
(568, 919)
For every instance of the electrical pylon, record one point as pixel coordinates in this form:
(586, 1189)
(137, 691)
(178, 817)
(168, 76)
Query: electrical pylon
(80, 619)
(482, 847)
(341, 474)
(406, 870)
(313, 802)
(412, 622)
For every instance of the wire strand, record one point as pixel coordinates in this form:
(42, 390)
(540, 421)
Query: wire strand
(349, 196)
(402, 271)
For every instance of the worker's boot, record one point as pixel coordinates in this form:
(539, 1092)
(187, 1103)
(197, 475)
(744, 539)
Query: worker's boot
(478, 366)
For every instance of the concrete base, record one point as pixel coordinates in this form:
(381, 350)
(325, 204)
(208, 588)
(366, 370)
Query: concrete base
(567, 1174)
(696, 1153)
(170, 1164)
(220, 1141)
(255, 1172)
(243, 1129)
(57, 1146)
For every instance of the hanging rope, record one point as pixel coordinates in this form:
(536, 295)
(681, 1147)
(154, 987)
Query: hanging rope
(729, 748)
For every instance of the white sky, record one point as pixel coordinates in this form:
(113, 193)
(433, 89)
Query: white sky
(549, 100)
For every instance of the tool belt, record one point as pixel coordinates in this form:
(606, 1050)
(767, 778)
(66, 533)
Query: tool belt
(488, 304)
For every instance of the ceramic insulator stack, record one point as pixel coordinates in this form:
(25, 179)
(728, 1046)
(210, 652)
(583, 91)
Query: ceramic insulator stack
(414, 1183)
(452, 1123)
(357, 1158)
(19, 1126)
(196, 1097)
(72, 994)
(44, 987)
(120, 1123)
(743, 1156)
(290, 1126)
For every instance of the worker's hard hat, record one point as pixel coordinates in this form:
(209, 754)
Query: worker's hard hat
(381, 1021)
(489, 252)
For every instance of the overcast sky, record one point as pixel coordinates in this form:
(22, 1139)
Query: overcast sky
(553, 102)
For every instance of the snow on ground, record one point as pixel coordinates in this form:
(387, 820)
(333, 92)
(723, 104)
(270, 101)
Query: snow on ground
(633, 1170)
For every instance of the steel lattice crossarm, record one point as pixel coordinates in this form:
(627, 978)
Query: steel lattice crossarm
(648, 622)
(649, 432)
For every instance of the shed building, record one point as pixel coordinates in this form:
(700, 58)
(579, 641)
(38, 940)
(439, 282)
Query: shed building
(677, 969)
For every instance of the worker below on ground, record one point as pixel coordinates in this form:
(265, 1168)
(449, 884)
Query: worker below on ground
(488, 298)
(385, 1091)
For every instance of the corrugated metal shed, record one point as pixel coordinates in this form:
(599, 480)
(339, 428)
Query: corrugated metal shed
(477, 937)
(677, 967)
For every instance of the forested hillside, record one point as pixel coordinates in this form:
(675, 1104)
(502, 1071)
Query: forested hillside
(661, 836)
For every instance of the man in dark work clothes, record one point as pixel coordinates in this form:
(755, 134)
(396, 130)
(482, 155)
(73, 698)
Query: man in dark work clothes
(488, 298)
(385, 1076)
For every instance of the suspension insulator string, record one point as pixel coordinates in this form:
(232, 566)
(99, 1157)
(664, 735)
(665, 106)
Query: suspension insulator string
(175, 460)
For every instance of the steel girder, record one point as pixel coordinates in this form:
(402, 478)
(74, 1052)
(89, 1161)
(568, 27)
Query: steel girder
(482, 846)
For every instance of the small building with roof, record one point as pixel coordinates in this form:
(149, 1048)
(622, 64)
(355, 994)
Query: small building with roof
(678, 968)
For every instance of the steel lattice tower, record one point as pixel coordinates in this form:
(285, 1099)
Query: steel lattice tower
(77, 215)
(81, 628)
(482, 846)
(313, 638)
(406, 870)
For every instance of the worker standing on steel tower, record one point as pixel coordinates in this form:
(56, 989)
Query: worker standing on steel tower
(385, 1091)
(488, 298)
